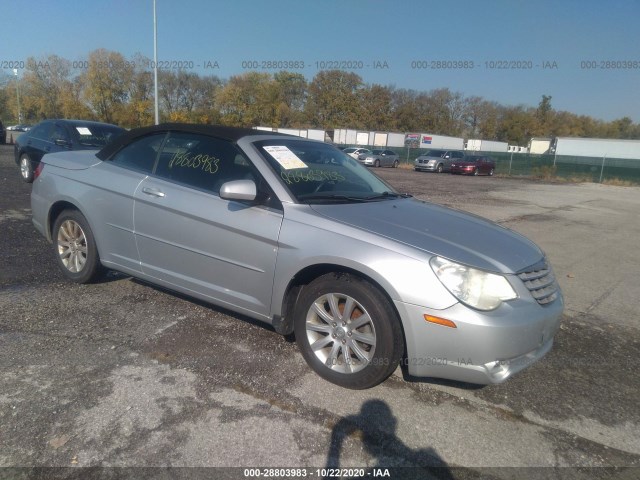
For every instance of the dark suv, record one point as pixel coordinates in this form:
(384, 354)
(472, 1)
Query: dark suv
(58, 135)
(437, 160)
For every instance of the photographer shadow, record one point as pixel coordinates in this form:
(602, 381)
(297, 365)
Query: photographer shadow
(375, 426)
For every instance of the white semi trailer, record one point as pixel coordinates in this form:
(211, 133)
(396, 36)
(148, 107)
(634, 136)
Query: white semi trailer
(478, 145)
(596, 147)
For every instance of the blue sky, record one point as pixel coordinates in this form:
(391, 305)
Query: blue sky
(488, 33)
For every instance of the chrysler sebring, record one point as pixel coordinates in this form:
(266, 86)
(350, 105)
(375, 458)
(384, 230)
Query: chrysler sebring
(301, 236)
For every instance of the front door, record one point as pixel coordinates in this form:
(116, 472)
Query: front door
(191, 238)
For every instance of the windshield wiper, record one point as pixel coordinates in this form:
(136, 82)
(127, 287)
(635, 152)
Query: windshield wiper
(333, 197)
(347, 198)
(387, 194)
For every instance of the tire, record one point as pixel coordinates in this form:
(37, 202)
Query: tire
(476, 172)
(491, 172)
(395, 164)
(439, 168)
(26, 168)
(376, 163)
(75, 248)
(338, 356)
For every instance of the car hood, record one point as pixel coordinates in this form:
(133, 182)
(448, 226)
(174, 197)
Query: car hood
(442, 231)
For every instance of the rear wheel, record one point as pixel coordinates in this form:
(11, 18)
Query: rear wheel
(347, 331)
(26, 169)
(491, 172)
(75, 247)
(395, 164)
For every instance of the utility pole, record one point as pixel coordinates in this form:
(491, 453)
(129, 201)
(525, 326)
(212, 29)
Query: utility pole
(155, 63)
(15, 72)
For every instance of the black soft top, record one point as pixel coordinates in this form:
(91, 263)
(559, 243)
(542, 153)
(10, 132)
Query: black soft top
(232, 134)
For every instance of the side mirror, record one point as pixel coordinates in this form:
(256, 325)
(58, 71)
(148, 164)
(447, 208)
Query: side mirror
(239, 190)
(447, 156)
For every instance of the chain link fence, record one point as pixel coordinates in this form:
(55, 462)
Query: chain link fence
(580, 169)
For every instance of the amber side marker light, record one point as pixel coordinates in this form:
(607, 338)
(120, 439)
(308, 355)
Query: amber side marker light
(439, 321)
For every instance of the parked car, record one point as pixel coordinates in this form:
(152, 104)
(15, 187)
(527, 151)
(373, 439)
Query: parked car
(355, 152)
(299, 235)
(20, 128)
(3, 134)
(380, 158)
(437, 160)
(58, 135)
(474, 165)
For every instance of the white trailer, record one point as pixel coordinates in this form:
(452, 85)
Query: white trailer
(313, 134)
(362, 138)
(539, 145)
(293, 131)
(478, 145)
(379, 139)
(597, 147)
(351, 138)
(440, 141)
(395, 140)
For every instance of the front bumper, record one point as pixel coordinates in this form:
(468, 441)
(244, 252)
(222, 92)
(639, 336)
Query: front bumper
(425, 166)
(486, 347)
(463, 170)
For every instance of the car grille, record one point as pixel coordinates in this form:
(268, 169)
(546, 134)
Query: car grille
(541, 282)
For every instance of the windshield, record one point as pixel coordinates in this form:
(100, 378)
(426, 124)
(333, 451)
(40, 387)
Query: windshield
(95, 135)
(318, 173)
(349, 150)
(434, 153)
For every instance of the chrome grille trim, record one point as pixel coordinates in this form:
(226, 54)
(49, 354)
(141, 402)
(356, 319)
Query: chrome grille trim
(541, 282)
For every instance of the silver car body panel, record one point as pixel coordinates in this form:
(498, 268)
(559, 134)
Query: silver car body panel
(243, 256)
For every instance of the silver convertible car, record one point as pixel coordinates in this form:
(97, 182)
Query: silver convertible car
(299, 235)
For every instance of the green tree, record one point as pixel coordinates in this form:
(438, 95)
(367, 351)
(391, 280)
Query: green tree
(334, 99)
(107, 83)
(544, 114)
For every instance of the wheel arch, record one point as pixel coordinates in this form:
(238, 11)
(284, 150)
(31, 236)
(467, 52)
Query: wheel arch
(56, 209)
(283, 323)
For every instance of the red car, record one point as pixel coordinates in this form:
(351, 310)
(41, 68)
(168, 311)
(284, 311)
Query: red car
(474, 165)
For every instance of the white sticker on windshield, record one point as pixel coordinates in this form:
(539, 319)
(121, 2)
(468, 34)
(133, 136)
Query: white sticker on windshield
(83, 131)
(285, 157)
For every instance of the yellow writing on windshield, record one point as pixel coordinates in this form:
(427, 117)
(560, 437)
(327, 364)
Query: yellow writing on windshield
(311, 176)
(207, 163)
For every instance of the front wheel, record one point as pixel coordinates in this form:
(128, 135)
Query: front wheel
(440, 168)
(476, 172)
(26, 169)
(491, 172)
(376, 163)
(347, 331)
(75, 247)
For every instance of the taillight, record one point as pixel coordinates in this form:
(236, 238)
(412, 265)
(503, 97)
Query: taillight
(38, 170)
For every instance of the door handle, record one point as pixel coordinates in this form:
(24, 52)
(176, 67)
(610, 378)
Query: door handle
(154, 192)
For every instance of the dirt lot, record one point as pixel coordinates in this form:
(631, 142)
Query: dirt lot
(121, 374)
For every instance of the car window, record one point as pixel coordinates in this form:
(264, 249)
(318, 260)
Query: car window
(203, 162)
(41, 131)
(58, 133)
(141, 154)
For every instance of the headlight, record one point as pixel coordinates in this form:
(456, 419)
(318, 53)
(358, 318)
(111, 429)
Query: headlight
(478, 289)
